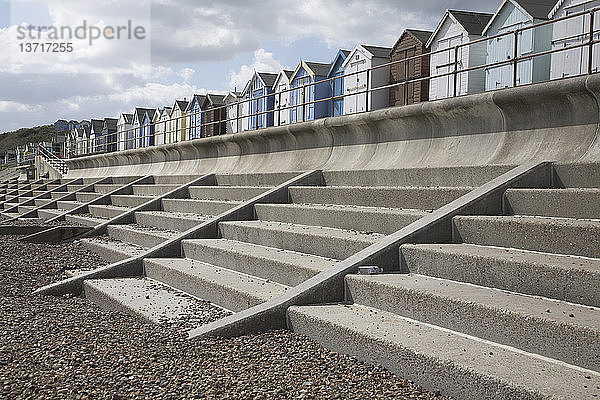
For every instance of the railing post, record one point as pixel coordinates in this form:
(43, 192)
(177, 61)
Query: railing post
(515, 55)
(455, 72)
(333, 97)
(591, 43)
(237, 117)
(367, 93)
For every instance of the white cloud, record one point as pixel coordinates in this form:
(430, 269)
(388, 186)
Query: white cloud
(264, 61)
(12, 106)
(186, 74)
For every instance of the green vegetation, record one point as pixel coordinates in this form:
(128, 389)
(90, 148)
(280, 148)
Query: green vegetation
(10, 140)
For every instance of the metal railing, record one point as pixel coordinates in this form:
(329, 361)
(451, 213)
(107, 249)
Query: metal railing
(216, 120)
(51, 159)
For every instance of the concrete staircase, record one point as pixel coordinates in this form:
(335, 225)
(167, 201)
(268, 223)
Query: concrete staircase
(257, 260)
(508, 310)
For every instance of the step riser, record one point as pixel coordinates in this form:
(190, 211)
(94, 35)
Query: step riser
(225, 193)
(107, 302)
(550, 237)
(570, 344)
(104, 189)
(80, 220)
(152, 190)
(575, 286)
(42, 202)
(255, 179)
(567, 204)
(66, 205)
(305, 243)
(110, 255)
(205, 289)
(166, 222)
(412, 198)
(58, 195)
(341, 219)
(284, 273)
(48, 214)
(430, 373)
(128, 201)
(102, 212)
(175, 179)
(138, 238)
(196, 206)
(416, 177)
(87, 197)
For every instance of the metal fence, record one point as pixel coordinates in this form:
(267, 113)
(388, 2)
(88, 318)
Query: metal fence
(181, 128)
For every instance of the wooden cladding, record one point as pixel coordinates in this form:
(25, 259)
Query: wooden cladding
(409, 46)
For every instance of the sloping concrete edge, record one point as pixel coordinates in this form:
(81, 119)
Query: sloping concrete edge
(328, 286)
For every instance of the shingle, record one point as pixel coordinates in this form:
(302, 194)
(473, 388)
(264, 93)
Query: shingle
(537, 8)
(378, 51)
(320, 69)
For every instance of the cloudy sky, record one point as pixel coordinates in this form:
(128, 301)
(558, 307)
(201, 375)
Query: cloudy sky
(188, 46)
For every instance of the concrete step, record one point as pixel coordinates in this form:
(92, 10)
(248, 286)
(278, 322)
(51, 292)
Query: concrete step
(419, 198)
(106, 211)
(226, 288)
(37, 193)
(84, 220)
(49, 213)
(325, 242)
(417, 177)
(24, 209)
(289, 268)
(362, 219)
(567, 278)
(129, 200)
(73, 188)
(138, 235)
(24, 191)
(107, 188)
(555, 329)
(458, 365)
(53, 186)
(42, 202)
(168, 221)
(146, 299)
(174, 179)
(549, 235)
(87, 197)
(582, 175)
(568, 203)
(201, 207)
(255, 179)
(229, 193)
(111, 250)
(124, 180)
(68, 205)
(58, 195)
(153, 190)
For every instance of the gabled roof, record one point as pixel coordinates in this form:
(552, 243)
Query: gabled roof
(128, 118)
(97, 124)
(165, 111)
(283, 74)
(473, 23)
(373, 51)
(150, 112)
(341, 54)
(232, 97)
(534, 9)
(313, 69)
(214, 100)
(267, 78)
(110, 124)
(555, 9)
(140, 113)
(196, 99)
(378, 51)
(421, 36)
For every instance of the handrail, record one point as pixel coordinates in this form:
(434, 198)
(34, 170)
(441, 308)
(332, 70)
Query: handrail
(54, 161)
(181, 128)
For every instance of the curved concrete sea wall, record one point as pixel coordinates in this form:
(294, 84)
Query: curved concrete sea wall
(553, 121)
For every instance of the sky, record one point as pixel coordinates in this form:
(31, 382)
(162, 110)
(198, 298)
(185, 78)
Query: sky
(187, 47)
